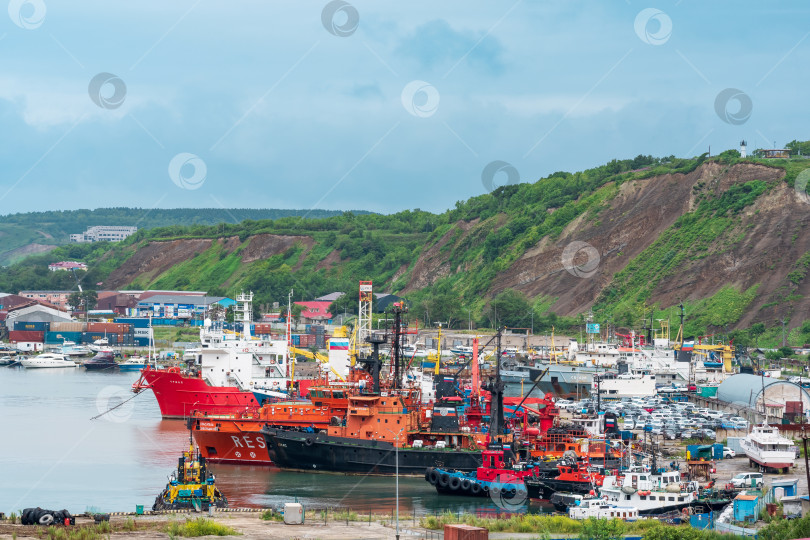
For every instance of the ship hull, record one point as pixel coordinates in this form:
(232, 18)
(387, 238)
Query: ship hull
(232, 443)
(327, 453)
(544, 488)
(178, 395)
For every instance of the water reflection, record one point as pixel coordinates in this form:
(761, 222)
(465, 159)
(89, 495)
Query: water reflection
(55, 456)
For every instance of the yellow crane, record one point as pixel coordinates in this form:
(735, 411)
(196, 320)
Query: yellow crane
(322, 358)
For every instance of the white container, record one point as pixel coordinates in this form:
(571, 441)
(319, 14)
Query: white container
(293, 513)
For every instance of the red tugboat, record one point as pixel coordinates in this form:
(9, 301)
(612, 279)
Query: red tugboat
(497, 476)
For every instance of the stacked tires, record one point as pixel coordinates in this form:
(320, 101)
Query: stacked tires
(38, 516)
(457, 485)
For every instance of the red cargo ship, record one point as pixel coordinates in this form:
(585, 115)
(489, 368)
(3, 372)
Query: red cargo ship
(179, 393)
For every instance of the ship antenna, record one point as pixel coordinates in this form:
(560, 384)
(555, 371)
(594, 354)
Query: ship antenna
(496, 389)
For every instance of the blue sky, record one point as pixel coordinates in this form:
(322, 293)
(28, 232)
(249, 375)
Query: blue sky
(281, 113)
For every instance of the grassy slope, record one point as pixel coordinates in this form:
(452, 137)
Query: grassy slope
(503, 225)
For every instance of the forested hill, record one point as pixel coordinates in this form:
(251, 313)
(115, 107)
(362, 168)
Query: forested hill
(630, 240)
(28, 233)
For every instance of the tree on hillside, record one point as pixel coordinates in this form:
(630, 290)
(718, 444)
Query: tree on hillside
(798, 147)
(441, 307)
(755, 331)
(83, 300)
(347, 303)
(509, 308)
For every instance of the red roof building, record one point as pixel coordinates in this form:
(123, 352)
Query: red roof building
(315, 311)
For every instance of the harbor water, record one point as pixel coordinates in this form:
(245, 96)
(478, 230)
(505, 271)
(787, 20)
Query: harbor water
(56, 455)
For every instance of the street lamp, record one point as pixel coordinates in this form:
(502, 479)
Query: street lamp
(396, 474)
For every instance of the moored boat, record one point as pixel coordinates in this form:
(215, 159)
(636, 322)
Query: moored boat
(600, 509)
(48, 360)
(651, 493)
(191, 486)
(102, 361)
(237, 438)
(133, 363)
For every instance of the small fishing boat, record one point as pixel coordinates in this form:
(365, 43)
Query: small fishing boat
(6, 360)
(191, 486)
(133, 363)
(70, 348)
(48, 360)
(100, 345)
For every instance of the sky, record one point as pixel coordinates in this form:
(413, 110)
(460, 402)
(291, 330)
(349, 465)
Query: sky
(376, 106)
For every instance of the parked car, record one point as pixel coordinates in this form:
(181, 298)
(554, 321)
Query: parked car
(728, 453)
(747, 480)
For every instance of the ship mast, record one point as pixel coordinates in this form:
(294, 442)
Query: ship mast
(399, 309)
(496, 388)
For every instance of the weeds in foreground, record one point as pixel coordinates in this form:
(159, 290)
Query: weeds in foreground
(100, 531)
(272, 515)
(592, 529)
(199, 527)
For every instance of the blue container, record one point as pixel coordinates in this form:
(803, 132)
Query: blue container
(32, 326)
(718, 450)
(135, 322)
(141, 341)
(57, 338)
(90, 337)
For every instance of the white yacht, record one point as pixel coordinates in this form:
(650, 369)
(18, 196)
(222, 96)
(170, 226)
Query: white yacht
(768, 449)
(49, 360)
(650, 493)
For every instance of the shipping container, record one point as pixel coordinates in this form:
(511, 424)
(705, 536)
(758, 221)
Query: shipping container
(68, 327)
(734, 444)
(57, 338)
(141, 342)
(90, 337)
(32, 325)
(34, 336)
(135, 322)
(111, 328)
(793, 408)
(262, 329)
(464, 532)
(142, 332)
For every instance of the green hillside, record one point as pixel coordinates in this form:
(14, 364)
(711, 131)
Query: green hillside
(23, 234)
(495, 258)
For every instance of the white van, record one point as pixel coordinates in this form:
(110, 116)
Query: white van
(748, 479)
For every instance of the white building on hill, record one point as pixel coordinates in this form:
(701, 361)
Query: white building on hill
(104, 233)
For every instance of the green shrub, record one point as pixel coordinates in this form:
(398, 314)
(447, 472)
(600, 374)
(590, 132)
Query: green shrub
(199, 527)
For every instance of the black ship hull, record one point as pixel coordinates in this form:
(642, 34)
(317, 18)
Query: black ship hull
(544, 488)
(326, 453)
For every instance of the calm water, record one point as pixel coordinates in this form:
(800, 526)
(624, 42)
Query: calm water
(54, 455)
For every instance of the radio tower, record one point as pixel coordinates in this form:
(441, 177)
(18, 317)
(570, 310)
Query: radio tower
(364, 314)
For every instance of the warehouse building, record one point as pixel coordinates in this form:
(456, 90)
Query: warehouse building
(745, 393)
(179, 306)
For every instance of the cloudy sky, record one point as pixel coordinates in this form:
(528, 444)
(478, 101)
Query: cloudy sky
(377, 106)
